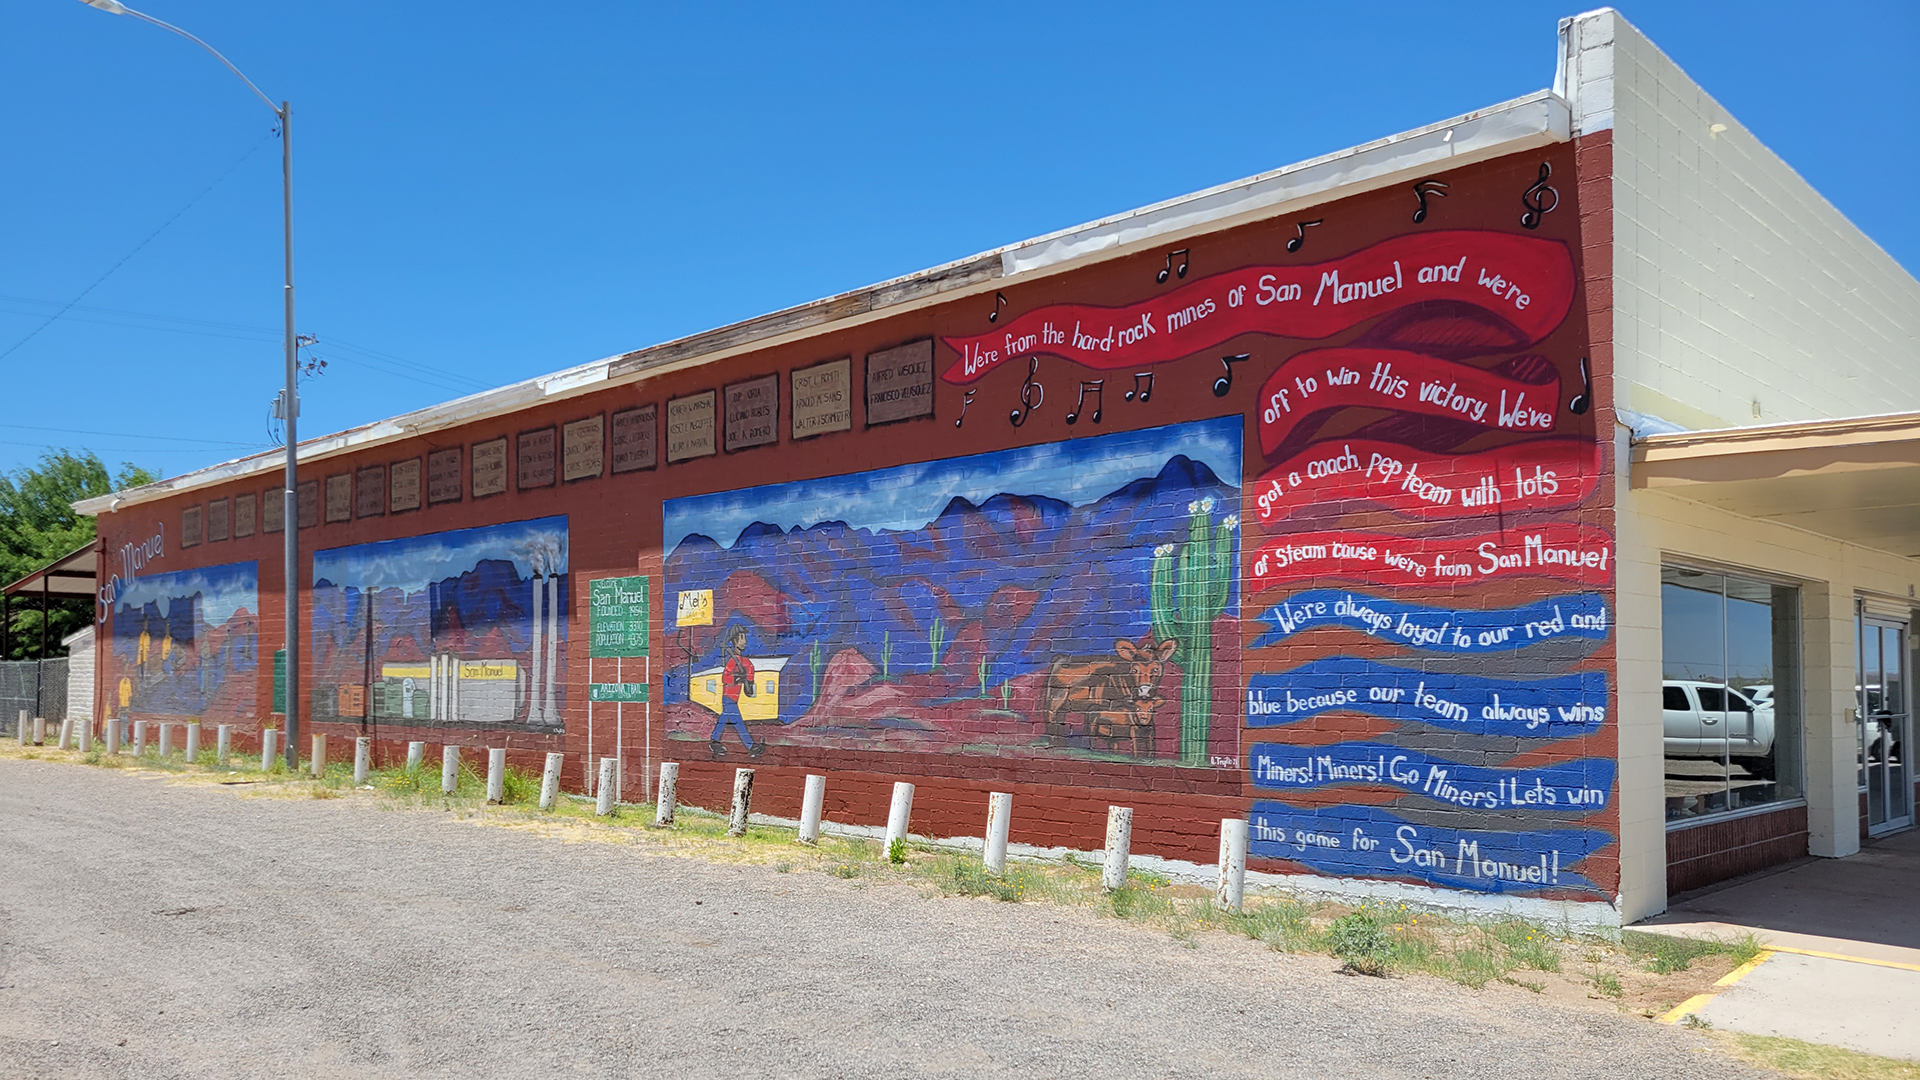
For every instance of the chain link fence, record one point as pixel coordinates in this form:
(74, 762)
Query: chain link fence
(38, 686)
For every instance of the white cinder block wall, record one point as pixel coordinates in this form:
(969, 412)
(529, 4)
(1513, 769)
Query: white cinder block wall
(1741, 297)
(80, 654)
(1735, 282)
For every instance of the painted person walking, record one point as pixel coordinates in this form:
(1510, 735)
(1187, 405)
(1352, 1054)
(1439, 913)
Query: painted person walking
(735, 678)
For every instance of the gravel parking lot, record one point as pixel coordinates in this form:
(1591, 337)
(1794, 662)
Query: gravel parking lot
(151, 928)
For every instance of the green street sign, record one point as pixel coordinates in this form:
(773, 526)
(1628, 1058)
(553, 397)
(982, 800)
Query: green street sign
(618, 691)
(617, 618)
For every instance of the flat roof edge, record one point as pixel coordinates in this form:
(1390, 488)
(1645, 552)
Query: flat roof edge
(1536, 119)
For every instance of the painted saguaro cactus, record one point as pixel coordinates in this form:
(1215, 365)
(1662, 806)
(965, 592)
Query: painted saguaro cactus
(1190, 586)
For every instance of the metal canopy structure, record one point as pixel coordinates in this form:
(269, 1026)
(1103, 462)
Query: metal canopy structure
(69, 576)
(1855, 479)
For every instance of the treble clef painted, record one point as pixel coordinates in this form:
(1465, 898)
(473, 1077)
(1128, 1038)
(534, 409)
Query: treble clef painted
(1032, 393)
(1540, 199)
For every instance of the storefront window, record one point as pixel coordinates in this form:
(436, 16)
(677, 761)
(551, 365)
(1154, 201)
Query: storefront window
(1731, 692)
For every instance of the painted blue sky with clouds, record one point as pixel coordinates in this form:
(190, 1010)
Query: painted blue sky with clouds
(222, 589)
(907, 497)
(411, 562)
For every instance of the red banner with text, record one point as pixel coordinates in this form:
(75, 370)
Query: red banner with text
(1542, 474)
(1569, 552)
(1528, 282)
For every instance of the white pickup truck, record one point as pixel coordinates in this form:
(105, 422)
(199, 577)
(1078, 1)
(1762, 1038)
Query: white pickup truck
(1708, 720)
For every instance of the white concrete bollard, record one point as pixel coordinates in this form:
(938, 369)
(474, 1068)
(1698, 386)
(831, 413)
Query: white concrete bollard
(811, 801)
(1113, 873)
(223, 744)
(899, 815)
(603, 804)
(550, 781)
(20, 730)
(85, 736)
(166, 739)
(669, 790)
(742, 802)
(362, 759)
(1233, 863)
(113, 736)
(999, 821)
(497, 775)
(39, 731)
(66, 734)
(416, 756)
(139, 738)
(193, 743)
(317, 759)
(269, 749)
(449, 769)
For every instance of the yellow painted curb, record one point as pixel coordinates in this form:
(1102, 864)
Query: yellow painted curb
(1843, 956)
(1699, 1001)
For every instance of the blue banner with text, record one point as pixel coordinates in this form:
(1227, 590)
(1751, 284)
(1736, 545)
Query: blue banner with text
(1437, 629)
(1541, 708)
(1583, 785)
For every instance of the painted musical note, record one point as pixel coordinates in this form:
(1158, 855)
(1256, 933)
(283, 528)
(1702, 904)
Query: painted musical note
(964, 402)
(1583, 400)
(1094, 385)
(1300, 240)
(1540, 199)
(1225, 382)
(999, 301)
(1032, 393)
(1421, 190)
(1136, 391)
(1161, 277)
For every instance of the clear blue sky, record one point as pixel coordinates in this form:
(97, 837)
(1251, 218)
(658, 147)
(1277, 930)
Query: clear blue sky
(486, 192)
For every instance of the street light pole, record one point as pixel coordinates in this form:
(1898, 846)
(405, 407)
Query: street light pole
(289, 407)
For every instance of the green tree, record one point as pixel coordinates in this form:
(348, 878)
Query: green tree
(38, 525)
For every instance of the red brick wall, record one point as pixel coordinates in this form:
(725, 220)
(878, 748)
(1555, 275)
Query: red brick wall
(615, 527)
(1700, 855)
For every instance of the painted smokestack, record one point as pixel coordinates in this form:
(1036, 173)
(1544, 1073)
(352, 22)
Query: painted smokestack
(550, 669)
(533, 700)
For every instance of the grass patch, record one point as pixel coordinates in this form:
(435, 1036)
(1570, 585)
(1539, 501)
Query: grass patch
(1664, 955)
(1812, 1061)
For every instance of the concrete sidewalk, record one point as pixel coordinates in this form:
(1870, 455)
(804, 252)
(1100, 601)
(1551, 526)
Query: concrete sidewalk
(1845, 970)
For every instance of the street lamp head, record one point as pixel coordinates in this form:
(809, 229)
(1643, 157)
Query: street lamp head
(111, 7)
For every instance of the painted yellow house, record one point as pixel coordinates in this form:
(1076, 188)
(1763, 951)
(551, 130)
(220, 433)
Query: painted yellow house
(765, 702)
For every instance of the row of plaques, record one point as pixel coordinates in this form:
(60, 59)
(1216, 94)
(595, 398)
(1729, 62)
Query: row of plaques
(899, 387)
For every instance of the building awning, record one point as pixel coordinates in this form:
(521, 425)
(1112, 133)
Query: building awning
(1855, 479)
(68, 575)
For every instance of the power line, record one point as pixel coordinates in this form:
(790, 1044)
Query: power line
(137, 247)
(129, 435)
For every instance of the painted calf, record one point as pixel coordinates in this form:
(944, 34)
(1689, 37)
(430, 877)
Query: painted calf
(1107, 696)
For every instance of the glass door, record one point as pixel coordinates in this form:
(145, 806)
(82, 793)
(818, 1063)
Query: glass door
(1885, 724)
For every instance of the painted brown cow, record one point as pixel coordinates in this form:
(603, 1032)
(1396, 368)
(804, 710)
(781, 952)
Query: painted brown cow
(1110, 697)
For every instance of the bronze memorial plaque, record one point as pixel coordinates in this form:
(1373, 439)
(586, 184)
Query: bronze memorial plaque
(690, 427)
(190, 526)
(490, 468)
(244, 507)
(533, 459)
(339, 498)
(370, 491)
(753, 413)
(443, 476)
(307, 503)
(403, 485)
(900, 382)
(273, 510)
(823, 398)
(218, 522)
(636, 438)
(583, 448)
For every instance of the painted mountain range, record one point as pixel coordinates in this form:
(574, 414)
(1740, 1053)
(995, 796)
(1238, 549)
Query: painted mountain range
(948, 635)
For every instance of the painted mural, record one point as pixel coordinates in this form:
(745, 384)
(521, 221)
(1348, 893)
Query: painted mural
(1072, 599)
(186, 643)
(467, 626)
(1430, 553)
